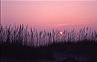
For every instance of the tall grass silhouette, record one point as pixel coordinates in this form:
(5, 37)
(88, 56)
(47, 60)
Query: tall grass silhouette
(21, 43)
(20, 34)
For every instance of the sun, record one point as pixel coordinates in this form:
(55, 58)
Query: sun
(61, 33)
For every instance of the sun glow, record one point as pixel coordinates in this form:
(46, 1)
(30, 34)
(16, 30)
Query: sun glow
(61, 33)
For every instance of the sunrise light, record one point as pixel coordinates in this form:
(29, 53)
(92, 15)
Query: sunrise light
(61, 33)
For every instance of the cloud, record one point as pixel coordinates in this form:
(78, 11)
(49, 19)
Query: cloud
(62, 25)
(56, 25)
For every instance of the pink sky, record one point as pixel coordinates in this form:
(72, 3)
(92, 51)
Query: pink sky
(49, 0)
(50, 14)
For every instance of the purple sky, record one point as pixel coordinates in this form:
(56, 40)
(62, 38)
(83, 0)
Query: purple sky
(50, 14)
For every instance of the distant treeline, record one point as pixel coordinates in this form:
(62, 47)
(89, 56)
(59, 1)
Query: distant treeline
(20, 34)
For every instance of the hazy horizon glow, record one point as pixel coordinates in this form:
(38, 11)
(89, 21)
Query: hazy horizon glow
(50, 14)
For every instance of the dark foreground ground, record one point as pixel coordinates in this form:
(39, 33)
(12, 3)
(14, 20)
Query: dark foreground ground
(84, 51)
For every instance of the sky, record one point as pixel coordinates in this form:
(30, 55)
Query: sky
(44, 14)
(48, 0)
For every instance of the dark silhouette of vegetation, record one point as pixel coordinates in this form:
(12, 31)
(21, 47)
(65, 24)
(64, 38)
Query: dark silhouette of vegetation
(19, 43)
